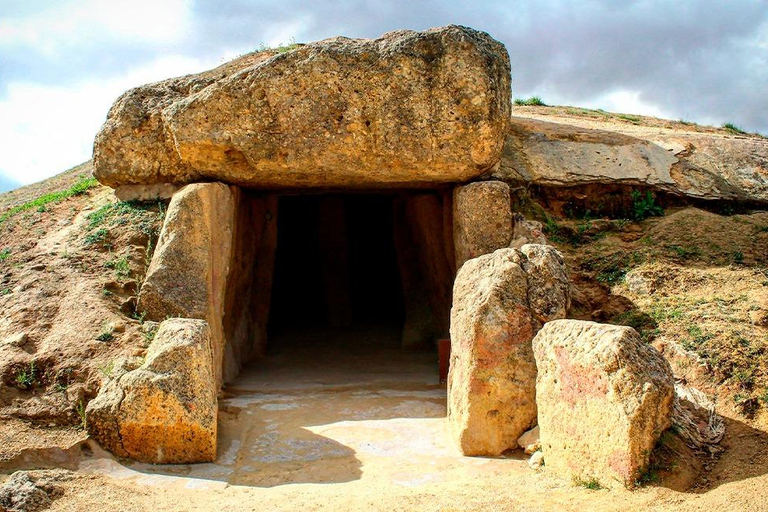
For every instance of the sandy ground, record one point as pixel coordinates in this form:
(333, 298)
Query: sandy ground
(361, 426)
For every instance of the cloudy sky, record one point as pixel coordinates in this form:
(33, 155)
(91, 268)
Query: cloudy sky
(63, 62)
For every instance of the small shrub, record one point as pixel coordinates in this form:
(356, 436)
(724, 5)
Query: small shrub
(149, 336)
(552, 230)
(281, 48)
(120, 265)
(26, 377)
(733, 128)
(106, 333)
(139, 316)
(533, 101)
(645, 206)
(738, 257)
(591, 483)
(5, 254)
(97, 237)
(80, 409)
(107, 369)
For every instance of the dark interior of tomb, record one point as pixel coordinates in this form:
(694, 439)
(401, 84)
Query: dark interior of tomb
(336, 267)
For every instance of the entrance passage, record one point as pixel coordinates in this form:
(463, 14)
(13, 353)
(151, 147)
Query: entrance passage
(336, 264)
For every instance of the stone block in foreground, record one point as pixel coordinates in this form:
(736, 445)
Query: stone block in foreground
(165, 411)
(604, 397)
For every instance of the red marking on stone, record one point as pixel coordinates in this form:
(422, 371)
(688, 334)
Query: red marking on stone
(577, 382)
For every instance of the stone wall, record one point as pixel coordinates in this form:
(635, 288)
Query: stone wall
(214, 262)
(426, 268)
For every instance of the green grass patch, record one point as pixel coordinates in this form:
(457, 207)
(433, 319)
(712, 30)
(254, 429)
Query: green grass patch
(685, 252)
(533, 101)
(78, 188)
(5, 254)
(281, 48)
(106, 333)
(630, 118)
(734, 129)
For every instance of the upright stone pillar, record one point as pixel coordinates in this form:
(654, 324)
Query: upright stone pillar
(187, 277)
(482, 219)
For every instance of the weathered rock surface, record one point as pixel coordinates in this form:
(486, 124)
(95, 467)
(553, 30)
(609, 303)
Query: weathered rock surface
(146, 192)
(536, 461)
(21, 494)
(604, 397)
(188, 274)
(30, 491)
(163, 412)
(697, 166)
(526, 232)
(407, 109)
(492, 378)
(530, 441)
(482, 219)
(548, 284)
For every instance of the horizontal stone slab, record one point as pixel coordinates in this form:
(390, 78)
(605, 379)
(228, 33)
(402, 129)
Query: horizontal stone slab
(407, 109)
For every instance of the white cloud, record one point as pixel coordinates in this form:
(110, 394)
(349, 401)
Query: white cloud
(75, 23)
(47, 129)
(628, 102)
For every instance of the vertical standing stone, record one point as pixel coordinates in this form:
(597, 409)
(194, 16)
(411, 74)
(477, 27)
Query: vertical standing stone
(250, 280)
(163, 412)
(500, 301)
(264, 272)
(482, 219)
(188, 274)
(425, 270)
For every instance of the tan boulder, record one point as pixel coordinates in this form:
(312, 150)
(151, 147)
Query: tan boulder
(492, 378)
(165, 411)
(188, 274)
(698, 165)
(482, 219)
(604, 397)
(407, 109)
(530, 441)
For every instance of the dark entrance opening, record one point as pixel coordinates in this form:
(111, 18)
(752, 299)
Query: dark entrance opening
(336, 264)
(351, 285)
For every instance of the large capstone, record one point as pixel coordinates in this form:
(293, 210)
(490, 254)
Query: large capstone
(407, 109)
(604, 397)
